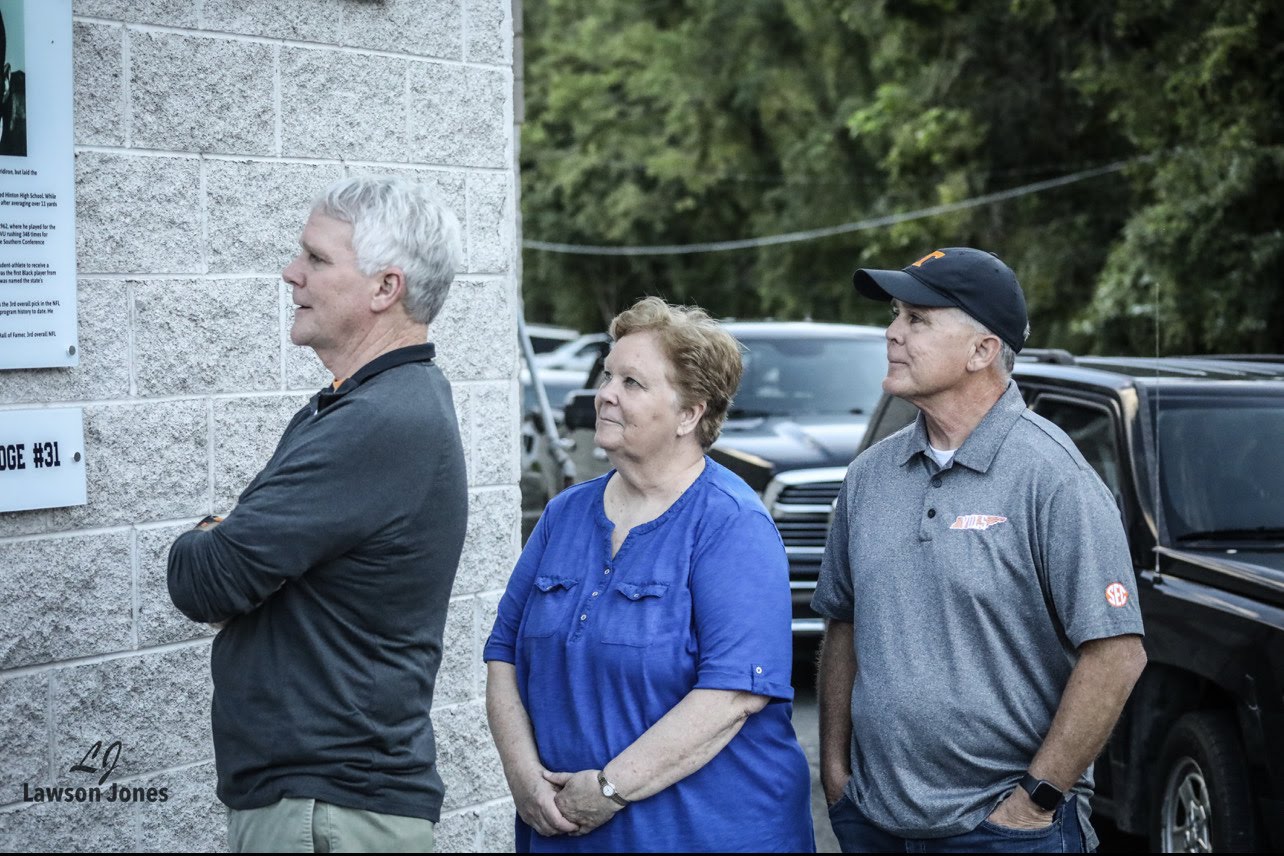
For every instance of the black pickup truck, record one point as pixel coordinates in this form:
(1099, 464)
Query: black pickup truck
(1193, 450)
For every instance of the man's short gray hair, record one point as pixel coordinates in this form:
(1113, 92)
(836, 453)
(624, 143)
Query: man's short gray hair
(399, 223)
(1007, 355)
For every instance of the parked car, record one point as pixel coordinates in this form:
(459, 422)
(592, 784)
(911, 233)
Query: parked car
(546, 337)
(794, 426)
(1193, 451)
(578, 354)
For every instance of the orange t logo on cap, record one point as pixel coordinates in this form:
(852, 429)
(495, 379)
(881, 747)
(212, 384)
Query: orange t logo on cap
(935, 254)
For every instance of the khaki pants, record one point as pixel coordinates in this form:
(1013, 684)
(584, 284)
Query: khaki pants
(310, 826)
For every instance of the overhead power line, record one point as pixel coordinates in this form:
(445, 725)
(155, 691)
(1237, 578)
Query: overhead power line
(813, 234)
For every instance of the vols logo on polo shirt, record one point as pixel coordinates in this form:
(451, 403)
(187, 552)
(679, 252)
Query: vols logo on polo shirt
(977, 521)
(1116, 595)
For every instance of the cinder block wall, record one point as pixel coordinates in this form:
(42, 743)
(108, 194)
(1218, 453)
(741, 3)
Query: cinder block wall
(203, 130)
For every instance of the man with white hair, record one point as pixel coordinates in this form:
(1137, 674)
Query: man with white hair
(982, 633)
(331, 577)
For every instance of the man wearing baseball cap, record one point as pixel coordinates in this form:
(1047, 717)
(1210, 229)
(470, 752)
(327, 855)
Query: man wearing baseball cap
(978, 571)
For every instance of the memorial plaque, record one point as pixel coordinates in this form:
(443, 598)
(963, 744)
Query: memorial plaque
(37, 186)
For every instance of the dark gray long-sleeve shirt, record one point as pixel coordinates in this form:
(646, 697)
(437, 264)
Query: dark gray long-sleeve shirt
(333, 573)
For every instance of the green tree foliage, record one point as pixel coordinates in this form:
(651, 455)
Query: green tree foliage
(669, 122)
(1201, 87)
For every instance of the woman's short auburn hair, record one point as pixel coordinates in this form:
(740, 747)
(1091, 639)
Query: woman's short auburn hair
(705, 359)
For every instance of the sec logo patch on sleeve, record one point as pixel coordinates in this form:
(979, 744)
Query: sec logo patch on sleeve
(1116, 594)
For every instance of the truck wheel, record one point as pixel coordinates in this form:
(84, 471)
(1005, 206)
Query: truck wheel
(1203, 803)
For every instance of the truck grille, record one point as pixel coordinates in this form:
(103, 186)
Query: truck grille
(816, 493)
(800, 503)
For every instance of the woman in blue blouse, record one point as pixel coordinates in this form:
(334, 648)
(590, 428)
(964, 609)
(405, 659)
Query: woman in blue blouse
(638, 679)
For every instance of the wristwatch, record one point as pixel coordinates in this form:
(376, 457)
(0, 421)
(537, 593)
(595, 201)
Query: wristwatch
(609, 791)
(1043, 794)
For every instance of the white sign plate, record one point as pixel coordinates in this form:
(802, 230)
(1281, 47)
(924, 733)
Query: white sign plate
(42, 458)
(37, 186)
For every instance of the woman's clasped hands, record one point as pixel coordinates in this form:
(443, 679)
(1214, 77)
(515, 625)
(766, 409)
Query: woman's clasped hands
(580, 801)
(535, 797)
(563, 803)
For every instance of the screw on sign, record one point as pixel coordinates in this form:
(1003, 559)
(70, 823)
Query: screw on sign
(1116, 594)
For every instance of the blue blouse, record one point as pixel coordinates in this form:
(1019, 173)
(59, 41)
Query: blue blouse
(605, 646)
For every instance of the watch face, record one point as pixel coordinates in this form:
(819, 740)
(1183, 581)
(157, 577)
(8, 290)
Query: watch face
(1046, 796)
(608, 791)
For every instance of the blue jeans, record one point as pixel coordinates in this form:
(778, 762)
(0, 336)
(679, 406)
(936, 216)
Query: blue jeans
(857, 835)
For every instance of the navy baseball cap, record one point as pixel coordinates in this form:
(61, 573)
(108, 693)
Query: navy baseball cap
(975, 281)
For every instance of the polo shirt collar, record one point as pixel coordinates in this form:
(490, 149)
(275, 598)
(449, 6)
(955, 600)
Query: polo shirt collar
(424, 353)
(980, 447)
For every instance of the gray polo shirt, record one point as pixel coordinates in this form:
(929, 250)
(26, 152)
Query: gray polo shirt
(969, 589)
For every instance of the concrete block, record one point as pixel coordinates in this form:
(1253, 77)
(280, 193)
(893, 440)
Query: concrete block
(199, 94)
(476, 332)
(457, 677)
(25, 522)
(497, 435)
(158, 621)
(65, 597)
(466, 755)
(462, 395)
(143, 462)
(97, 52)
(457, 831)
(336, 104)
(256, 212)
(419, 27)
(102, 316)
(137, 213)
(488, 31)
(169, 13)
(24, 732)
(69, 827)
(298, 20)
(459, 116)
(156, 705)
(491, 222)
(487, 612)
(246, 432)
(203, 336)
(491, 542)
(497, 833)
(192, 820)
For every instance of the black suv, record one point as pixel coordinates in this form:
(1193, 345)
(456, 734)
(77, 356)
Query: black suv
(794, 426)
(1193, 450)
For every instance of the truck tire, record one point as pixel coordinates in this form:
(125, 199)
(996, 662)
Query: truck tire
(1203, 803)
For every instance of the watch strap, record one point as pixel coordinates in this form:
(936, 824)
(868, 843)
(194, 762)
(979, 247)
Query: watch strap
(609, 790)
(1044, 794)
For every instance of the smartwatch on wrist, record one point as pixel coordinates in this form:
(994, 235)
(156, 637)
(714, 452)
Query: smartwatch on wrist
(1042, 793)
(609, 791)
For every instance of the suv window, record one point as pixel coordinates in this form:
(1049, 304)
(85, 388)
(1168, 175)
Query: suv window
(892, 415)
(1092, 429)
(1221, 465)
